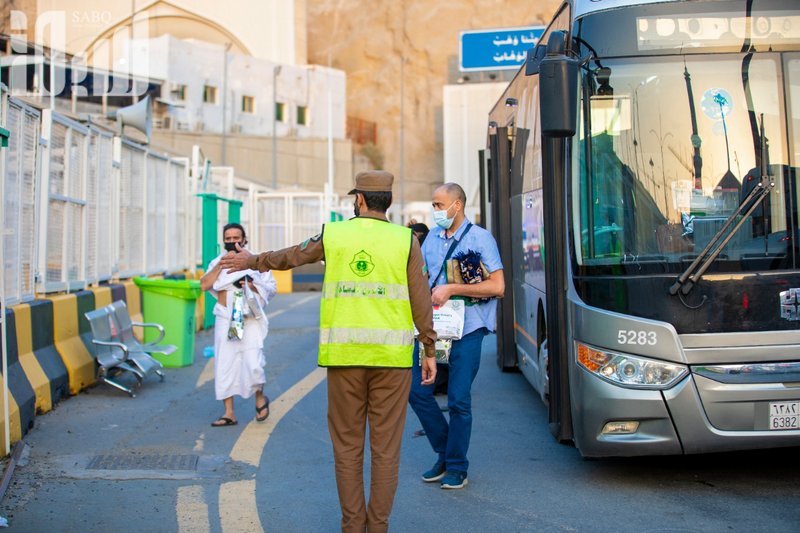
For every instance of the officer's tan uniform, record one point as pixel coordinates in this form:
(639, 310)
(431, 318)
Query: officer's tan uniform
(357, 394)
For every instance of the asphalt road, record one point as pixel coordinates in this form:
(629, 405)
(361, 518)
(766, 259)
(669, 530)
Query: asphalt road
(166, 469)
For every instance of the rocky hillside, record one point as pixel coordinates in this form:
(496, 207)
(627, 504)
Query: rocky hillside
(369, 40)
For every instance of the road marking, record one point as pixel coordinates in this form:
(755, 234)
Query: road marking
(251, 442)
(238, 509)
(295, 304)
(192, 510)
(237, 506)
(206, 375)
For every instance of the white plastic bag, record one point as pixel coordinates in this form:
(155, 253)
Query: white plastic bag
(448, 319)
(236, 329)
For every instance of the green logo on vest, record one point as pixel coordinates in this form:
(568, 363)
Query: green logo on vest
(361, 265)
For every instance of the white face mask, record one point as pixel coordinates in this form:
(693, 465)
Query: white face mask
(441, 218)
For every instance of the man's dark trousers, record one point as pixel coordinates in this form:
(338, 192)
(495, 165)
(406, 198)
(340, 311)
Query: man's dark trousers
(450, 440)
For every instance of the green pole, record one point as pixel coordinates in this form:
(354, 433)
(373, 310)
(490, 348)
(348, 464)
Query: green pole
(234, 211)
(211, 239)
(210, 248)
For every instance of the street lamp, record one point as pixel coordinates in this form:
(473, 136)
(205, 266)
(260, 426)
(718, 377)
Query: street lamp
(275, 71)
(225, 101)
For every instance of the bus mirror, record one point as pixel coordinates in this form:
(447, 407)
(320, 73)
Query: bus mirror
(558, 89)
(534, 59)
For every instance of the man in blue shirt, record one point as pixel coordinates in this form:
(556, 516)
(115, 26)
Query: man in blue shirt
(455, 235)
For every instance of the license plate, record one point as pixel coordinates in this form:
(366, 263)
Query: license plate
(784, 415)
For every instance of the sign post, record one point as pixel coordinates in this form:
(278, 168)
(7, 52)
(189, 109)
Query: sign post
(496, 49)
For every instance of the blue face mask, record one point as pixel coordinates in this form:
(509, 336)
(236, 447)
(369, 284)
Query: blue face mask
(441, 219)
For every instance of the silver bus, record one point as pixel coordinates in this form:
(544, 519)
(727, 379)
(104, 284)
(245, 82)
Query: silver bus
(642, 173)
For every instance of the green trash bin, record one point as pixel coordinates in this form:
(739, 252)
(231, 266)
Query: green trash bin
(171, 303)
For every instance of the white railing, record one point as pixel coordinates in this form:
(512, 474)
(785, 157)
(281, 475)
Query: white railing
(285, 219)
(82, 206)
(19, 202)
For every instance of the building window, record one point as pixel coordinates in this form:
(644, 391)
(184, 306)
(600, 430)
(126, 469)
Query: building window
(302, 115)
(209, 94)
(179, 92)
(280, 111)
(248, 104)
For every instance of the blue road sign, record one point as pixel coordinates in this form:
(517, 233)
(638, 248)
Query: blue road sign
(497, 49)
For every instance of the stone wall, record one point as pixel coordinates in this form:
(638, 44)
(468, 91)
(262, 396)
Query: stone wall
(369, 39)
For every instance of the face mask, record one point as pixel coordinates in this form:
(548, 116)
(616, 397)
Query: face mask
(440, 217)
(231, 246)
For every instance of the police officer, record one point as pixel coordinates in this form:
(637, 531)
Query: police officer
(375, 291)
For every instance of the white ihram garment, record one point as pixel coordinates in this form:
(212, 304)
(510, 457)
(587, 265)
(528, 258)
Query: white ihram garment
(239, 364)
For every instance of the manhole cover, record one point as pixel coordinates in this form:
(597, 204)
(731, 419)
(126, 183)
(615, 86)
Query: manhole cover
(143, 462)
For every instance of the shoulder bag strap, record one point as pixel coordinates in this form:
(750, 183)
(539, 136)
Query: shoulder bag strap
(450, 252)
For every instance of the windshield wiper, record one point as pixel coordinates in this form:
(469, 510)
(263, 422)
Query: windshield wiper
(687, 280)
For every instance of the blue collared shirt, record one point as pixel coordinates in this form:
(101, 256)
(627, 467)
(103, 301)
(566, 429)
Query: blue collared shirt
(434, 250)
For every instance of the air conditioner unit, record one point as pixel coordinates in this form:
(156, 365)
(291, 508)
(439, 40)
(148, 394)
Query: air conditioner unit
(236, 128)
(199, 126)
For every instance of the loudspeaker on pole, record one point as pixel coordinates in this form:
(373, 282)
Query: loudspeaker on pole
(138, 115)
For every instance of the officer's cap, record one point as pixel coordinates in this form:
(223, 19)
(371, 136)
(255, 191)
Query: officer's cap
(373, 181)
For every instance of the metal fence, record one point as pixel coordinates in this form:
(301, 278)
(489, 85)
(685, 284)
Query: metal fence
(19, 200)
(82, 206)
(284, 219)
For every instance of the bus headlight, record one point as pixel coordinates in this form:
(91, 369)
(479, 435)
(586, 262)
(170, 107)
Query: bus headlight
(629, 370)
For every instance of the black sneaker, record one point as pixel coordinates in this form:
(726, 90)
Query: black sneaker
(434, 474)
(454, 480)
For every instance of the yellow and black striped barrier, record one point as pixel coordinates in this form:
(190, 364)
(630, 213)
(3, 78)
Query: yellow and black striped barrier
(50, 354)
(21, 396)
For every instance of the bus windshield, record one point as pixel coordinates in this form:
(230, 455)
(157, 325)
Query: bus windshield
(667, 150)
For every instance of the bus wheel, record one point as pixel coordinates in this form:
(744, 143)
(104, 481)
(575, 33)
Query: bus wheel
(544, 372)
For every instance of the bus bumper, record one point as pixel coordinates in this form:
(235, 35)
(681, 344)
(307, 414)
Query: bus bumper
(671, 422)
(596, 402)
(697, 433)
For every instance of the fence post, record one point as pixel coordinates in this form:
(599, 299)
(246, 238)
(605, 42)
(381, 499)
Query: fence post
(4, 135)
(211, 239)
(234, 211)
(43, 198)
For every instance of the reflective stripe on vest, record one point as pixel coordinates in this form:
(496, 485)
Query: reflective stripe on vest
(365, 336)
(365, 312)
(347, 289)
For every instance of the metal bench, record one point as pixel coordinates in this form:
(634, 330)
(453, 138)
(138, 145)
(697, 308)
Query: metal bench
(111, 356)
(138, 352)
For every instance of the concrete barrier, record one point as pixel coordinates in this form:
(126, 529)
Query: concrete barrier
(77, 359)
(20, 341)
(49, 350)
(284, 280)
(21, 396)
(38, 326)
(200, 308)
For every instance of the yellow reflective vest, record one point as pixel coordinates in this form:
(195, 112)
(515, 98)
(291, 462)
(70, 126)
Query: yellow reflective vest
(365, 313)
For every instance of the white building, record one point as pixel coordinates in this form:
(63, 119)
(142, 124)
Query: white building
(256, 91)
(466, 117)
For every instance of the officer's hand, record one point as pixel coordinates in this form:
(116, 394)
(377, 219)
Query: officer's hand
(236, 261)
(440, 294)
(428, 369)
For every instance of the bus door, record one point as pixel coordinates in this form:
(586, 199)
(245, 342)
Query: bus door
(500, 193)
